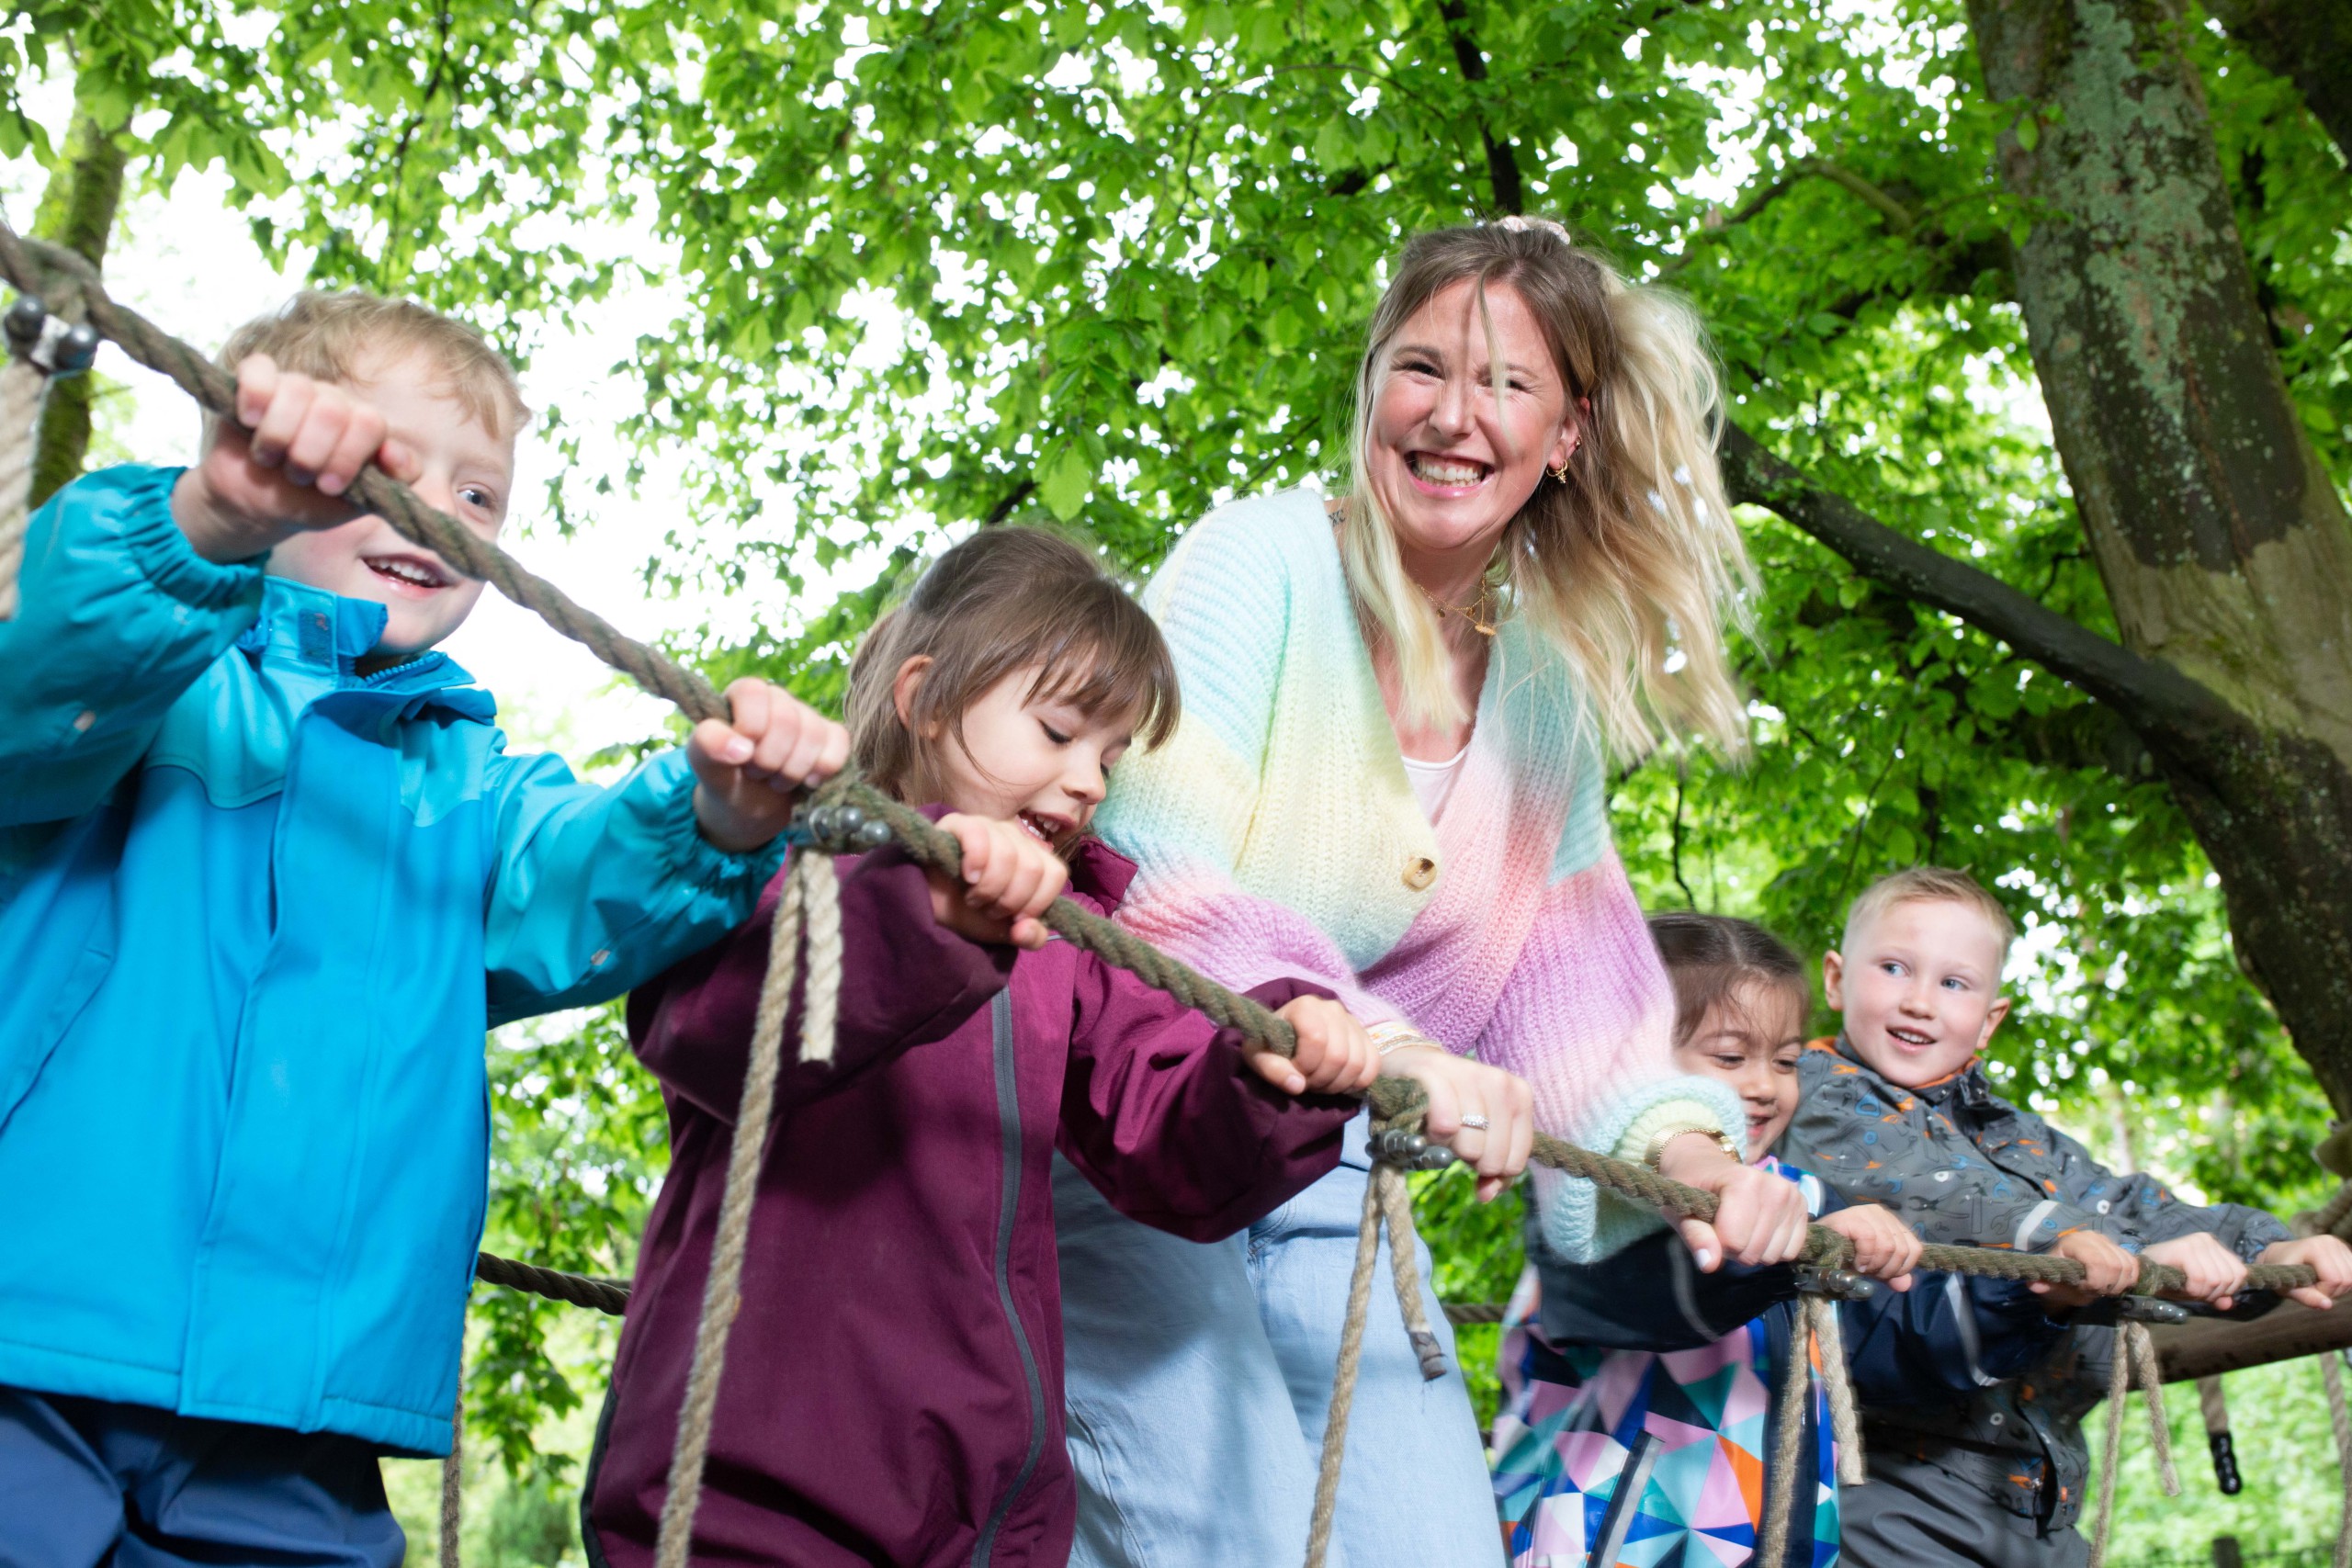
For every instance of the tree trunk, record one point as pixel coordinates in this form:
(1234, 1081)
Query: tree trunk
(2223, 547)
(77, 211)
(2307, 42)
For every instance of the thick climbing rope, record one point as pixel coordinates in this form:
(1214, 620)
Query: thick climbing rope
(32, 268)
(453, 1480)
(1788, 1439)
(2134, 1361)
(22, 391)
(1343, 1382)
(810, 898)
(1838, 1388)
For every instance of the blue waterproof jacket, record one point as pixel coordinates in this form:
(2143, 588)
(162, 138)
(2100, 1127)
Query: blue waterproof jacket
(256, 911)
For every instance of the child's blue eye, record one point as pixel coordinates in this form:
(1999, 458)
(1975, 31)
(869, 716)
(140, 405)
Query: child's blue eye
(1955, 983)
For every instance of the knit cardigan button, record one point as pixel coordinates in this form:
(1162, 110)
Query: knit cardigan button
(1419, 871)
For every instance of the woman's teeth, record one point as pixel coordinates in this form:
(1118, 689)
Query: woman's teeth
(1451, 472)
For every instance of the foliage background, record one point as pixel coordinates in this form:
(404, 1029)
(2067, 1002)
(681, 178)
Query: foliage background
(865, 275)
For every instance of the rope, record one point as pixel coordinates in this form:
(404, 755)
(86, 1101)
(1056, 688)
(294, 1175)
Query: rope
(2135, 1356)
(1788, 1439)
(1343, 1382)
(22, 388)
(453, 1478)
(1838, 1388)
(2330, 1373)
(2150, 1377)
(579, 1289)
(1405, 1268)
(809, 882)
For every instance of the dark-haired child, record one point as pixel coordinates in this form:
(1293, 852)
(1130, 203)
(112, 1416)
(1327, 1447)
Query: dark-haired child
(1641, 1394)
(894, 1380)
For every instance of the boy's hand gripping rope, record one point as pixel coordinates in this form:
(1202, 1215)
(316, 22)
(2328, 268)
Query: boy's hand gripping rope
(39, 270)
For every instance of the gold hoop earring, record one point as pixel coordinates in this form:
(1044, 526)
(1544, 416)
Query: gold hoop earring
(1561, 473)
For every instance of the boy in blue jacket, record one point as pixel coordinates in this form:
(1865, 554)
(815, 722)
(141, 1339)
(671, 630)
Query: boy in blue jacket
(266, 875)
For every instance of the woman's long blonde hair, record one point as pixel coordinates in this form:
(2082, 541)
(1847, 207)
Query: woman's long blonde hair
(1628, 565)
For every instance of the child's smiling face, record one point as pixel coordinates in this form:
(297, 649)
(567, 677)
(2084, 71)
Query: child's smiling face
(1750, 1040)
(1036, 760)
(1920, 987)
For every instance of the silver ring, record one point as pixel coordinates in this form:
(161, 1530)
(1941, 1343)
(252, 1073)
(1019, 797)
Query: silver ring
(1474, 1121)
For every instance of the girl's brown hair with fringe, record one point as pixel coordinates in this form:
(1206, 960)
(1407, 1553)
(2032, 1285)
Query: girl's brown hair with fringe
(1005, 601)
(1711, 958)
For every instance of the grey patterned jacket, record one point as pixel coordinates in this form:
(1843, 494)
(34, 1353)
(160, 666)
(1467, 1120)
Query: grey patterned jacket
(1963, 1165)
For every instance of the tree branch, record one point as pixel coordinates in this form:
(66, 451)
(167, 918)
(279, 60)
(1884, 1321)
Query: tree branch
(2307, 42)
(1502, 161)
(2158, 701)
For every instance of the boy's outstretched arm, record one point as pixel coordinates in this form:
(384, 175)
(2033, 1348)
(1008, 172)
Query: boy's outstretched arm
(596, 889)
(1867, 1140)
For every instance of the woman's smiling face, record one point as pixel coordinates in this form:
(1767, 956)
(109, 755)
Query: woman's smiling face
(1449, 462)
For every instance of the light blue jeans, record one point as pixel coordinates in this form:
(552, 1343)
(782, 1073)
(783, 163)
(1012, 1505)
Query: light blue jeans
(1199, 1376)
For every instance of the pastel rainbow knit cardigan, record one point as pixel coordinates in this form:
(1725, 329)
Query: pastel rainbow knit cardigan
(1276, 834)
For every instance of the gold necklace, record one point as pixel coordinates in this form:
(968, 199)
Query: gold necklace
(1479, 615)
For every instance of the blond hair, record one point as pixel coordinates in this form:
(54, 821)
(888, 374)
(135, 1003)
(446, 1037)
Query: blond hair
(1929, 885)
(1629, 561)
(333, 336)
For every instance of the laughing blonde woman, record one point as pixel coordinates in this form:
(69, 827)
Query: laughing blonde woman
(1391, 777)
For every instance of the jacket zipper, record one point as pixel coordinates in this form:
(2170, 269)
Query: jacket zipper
(1008, 1116)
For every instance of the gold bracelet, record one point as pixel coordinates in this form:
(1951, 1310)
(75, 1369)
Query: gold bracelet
(1657, 1151)
(1395, 1034)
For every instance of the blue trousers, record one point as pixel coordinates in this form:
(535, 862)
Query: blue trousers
(1198, 1378)
(85, 1482)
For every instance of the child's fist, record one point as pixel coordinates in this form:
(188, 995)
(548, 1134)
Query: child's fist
(1759, 1217)
(2329, 1258)
(282, 465)
(1335, 1055)
(1884, 1248)
(746, 768)
(1009, 879)
(2108, 1270)
(2215, 1274)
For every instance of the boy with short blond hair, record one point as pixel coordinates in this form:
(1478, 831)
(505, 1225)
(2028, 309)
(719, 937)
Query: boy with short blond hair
(266, 875)
(1896, 1110)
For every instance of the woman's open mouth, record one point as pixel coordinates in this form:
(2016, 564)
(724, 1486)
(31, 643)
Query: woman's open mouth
(414, 577)
(1446, 475)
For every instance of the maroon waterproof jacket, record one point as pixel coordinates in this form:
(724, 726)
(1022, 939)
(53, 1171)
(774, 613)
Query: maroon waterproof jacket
(893, 1389)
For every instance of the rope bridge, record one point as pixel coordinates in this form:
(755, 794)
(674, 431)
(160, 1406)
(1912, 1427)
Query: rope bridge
(845, 814)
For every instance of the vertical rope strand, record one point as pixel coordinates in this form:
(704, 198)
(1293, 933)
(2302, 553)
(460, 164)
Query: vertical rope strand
(1788, 1437)
(2118, 1386)
(453, 1477)
(722, 1295)
(22, 388)
(2149, 1374)
(1838, 1389)
(1343, 1379)
(2331, 1372)
(1405, 1269)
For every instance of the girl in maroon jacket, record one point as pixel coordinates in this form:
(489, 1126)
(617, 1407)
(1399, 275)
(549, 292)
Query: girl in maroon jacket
(893, 1389)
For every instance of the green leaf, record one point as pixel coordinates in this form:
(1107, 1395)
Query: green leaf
(1064, 482)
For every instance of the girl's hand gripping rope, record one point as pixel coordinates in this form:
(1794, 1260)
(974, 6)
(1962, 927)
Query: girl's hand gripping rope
(1884, 1248)
(1009, 879)
(2109, 1271)
(1335, 1055)
(1485, 1114)
(2325, 1256)
(1759, 1217)
(748, 768)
